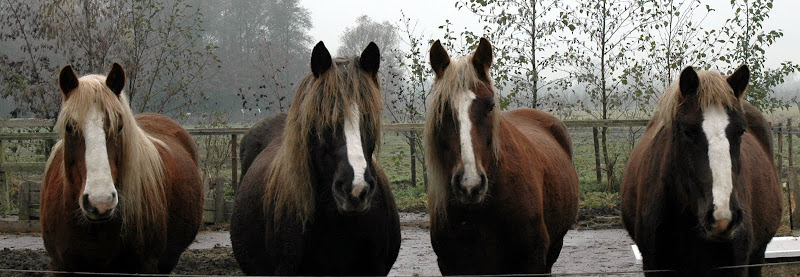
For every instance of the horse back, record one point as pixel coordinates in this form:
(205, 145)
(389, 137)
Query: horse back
(530, 118)
(759, 127)
(258, 137)
(168, 131)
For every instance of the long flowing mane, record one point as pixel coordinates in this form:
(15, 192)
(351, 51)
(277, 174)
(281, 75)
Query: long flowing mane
(460, 77)
(320, 103)
(141, 177)
(713, 90)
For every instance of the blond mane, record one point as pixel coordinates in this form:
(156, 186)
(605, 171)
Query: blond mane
(141, 177)
(321, 103)
(459, 77)
(714, 90)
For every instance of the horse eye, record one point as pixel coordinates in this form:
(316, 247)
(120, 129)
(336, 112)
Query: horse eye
(689, 133)
(68, 128)
(119, 129)
(491, 107)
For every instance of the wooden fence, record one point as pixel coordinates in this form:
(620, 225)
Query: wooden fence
(216, 209)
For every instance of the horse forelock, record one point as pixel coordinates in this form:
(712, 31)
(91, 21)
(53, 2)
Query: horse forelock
(714, 90)
(141, 176)
(320, 104)
(459, 80)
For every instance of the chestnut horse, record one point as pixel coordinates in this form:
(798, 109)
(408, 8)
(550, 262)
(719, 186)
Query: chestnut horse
(120, 193)
(700, 190)
(314, 201)
(503, 189)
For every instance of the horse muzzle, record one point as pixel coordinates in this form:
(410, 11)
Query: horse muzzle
(469, 191)
(722, 229)
(353, 198)
(98, 206)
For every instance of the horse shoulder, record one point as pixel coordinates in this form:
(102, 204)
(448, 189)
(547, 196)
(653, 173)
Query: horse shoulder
(251, 227)
(392, 216)
(763, 187)
(52, 195)
(641, 189)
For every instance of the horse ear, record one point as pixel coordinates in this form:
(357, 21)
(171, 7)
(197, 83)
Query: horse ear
(371, 59)
(321, 59)
(115, 80)
(739, 79)
(439, 59)
(482, 59)
(689, 82)
(67, 80)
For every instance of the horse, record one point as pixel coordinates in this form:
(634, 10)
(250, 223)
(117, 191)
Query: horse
(120, 193)
(256, 138)
(503, 191)
(314, 201)
(700, 190)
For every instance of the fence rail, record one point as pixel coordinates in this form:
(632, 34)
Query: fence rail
(14, 130)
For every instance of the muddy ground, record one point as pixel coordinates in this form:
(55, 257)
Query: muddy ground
(604, 252)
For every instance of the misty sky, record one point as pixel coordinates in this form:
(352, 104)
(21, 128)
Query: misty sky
(330, 19)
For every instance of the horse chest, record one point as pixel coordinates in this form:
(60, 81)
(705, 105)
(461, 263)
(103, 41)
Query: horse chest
(350, 246)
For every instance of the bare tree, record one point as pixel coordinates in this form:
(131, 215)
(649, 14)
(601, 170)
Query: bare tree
(26, 65)
(281, 58)
(601, 53)
(523, 33)
(156, 40)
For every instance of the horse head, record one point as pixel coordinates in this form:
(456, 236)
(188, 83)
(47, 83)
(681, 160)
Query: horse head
(707, 132)
(462, 121)
(92, 133)
(342, 97)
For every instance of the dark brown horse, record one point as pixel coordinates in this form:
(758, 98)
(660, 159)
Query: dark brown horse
(503, 190)
(120, 194)
(700, 190)
(314, 201)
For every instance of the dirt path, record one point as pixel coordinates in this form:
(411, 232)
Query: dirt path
(584, 252)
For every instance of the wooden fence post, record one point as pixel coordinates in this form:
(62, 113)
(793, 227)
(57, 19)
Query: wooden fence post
(219, 201)
(4, 182)
(598, 170)
(779, 157)
(413, 151)
(234, 163)
(793, 184)
(789, 143)
(24, 202)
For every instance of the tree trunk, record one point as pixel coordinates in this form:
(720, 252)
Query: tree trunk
(413, 145)
(535, 90)
(604, 100)
(597, 167)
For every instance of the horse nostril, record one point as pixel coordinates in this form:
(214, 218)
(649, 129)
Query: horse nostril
(113, 195)
(363, 194)
(709, 218)
(87, 205)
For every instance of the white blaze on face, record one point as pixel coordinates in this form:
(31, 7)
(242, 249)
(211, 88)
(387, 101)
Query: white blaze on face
(99, 187)
(355, 152)
(470, 179)
(715, 120)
